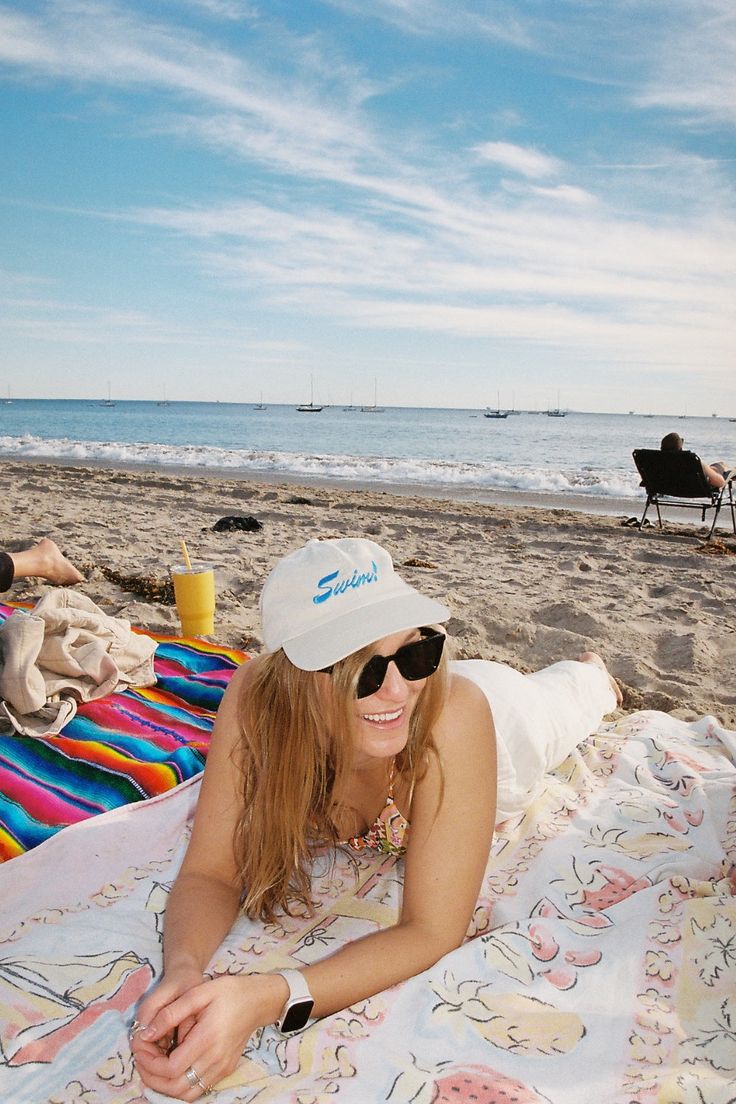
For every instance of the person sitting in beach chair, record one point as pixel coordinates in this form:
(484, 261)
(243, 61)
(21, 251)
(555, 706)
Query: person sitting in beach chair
(672, 476)
(716, 473)
(43, 560)
(352, 730)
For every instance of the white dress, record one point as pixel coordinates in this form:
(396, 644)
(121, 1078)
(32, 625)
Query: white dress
(539, 719)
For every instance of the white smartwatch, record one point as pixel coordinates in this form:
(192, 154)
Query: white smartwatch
(299, 1004)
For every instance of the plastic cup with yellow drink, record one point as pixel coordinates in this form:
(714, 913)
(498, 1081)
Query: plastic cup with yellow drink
(194, 591)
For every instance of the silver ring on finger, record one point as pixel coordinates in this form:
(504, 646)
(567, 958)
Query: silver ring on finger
(194, 1079)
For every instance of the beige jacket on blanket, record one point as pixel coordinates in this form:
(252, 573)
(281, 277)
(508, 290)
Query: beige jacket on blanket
(63, 651)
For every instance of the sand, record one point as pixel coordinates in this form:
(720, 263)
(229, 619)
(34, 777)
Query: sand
(526, 586)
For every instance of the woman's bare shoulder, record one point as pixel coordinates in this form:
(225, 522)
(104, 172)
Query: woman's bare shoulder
(466, 715)
(242, 678)
(463, 693)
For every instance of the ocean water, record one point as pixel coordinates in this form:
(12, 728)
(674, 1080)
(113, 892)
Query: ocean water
(583, 460)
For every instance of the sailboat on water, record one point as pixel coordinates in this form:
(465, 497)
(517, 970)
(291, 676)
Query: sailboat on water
(557, 412)
(109, 401)
(375, 409)
(260, 405)
(310, 407)
(498, 412)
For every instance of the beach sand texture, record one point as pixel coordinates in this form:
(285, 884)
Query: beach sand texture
(526, 586)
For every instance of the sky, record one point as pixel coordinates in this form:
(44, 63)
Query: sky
(441, 202)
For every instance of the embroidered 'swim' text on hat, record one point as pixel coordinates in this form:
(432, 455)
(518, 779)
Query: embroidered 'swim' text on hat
(327, 588)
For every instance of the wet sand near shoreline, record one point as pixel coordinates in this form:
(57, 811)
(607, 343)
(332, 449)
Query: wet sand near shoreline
(526, 586)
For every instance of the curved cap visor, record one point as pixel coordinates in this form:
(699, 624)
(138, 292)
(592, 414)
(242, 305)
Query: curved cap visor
(326, 644)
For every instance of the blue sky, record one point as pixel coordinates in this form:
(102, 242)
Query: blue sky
(453, 198)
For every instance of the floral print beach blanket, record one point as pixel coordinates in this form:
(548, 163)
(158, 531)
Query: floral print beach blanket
(600, 965)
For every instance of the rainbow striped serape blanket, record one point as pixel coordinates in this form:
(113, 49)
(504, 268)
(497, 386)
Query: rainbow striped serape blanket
(117, 750)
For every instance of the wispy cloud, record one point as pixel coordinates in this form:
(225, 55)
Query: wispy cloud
(566, 193)
(502, 21)
(222, 9)
(676, 55)
(377, 232)
(105, 45)
(64, 322)
(524, 274)
(524, 160)
(693, 70)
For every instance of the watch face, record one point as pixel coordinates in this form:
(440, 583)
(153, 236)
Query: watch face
(296, 1015)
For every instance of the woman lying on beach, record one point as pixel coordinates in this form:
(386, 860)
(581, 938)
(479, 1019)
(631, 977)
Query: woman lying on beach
(352, 729)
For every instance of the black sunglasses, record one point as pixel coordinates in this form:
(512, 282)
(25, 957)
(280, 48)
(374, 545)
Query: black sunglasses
(417, 660)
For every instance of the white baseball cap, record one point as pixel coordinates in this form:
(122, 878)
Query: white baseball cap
(332, 597)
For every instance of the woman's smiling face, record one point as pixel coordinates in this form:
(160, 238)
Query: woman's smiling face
(382, 719)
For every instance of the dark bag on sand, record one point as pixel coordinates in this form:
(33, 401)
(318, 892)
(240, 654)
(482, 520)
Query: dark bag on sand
(232, 522)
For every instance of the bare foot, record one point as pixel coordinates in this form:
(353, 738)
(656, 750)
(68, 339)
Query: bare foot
(53, 565)
(593, 657)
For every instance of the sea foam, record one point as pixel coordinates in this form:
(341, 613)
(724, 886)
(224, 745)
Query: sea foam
(451, 474)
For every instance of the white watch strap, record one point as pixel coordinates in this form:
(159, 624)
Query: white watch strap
(298, 988)
(298, 1008)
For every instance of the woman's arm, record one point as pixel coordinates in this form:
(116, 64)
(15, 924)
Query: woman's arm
(203, 904)
(448, 851)
(204, 901)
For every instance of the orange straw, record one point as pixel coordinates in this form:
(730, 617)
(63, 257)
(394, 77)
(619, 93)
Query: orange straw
(185, 554)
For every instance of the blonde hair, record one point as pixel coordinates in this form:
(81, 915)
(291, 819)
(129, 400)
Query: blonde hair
(296, 753)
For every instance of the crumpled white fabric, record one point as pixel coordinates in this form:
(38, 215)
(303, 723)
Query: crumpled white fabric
(65, 650)
(539, 718)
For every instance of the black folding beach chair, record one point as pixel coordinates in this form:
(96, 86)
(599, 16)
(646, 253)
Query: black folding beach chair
(677, 479)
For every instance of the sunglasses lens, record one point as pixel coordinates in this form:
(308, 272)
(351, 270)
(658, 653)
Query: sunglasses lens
(418, 661)
(372, 676)
(414, 661)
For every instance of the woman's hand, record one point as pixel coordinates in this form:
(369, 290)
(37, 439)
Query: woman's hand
(175, 983)
(220, 1016)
